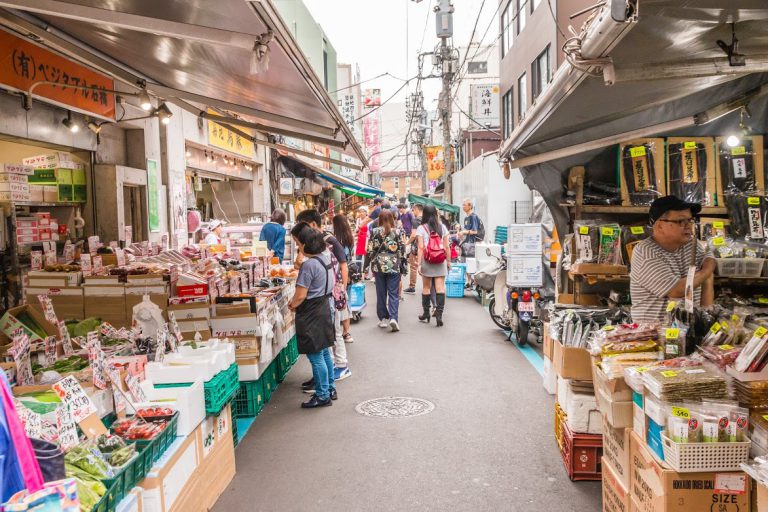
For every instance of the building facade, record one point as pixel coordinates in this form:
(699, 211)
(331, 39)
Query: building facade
(402, 183)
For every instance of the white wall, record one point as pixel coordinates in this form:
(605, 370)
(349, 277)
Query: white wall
(482, 181)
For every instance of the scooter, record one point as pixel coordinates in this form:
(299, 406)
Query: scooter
(516, 310)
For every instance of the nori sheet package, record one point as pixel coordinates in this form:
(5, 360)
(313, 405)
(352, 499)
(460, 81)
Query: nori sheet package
(749, 216)
(737, 167)
(610, 245)
(630, 237)
(587, 236)
(639, 171)
(710, 227)
(688, 172)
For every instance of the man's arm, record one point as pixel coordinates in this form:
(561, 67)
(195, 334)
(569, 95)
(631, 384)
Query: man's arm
(299, 296)
(708, 292)
(707, 272)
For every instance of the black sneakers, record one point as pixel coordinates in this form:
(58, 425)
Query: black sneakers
(308, 385)
(315, 402)
(334, 394)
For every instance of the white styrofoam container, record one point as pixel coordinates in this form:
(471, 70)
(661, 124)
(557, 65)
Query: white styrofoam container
(216, 360)
(246, 372)
(162, 497)
(525, 239)
(655, 409)
(583, 414)
(189, 401)
(525, 270)
(191, 371)
(472, 265)
(550, 377)
(213, 346)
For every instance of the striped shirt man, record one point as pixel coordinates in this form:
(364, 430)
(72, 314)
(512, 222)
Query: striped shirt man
(655, 271)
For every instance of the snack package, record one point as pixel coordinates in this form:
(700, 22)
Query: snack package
(673, 339)
(687, 173)
(630, 237)
(587, 237)
(639, 173)
(610, 245)
(685, 423)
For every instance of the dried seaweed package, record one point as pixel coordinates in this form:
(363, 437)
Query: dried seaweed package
(712, 227)
(748, 214)
(688, 171)
(639, 171)
(610, 245)
(587, 242)
(737, 167)
(630, 237)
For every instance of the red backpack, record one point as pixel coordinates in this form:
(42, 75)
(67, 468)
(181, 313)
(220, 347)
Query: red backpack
(434, 252)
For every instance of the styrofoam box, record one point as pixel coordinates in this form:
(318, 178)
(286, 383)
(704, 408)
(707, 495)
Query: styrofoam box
(189, 401)
(220, 349)
(216, 360)
(525, 239)
(525, 270)
(481, 247)
(550, 377)
(655, 409)
(236, 325)
(471, 265)
(176, 373)
(246, 372)
(583, 414)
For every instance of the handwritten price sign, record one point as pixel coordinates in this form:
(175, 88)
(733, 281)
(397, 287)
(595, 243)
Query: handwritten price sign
(66, 342)
(73, 395)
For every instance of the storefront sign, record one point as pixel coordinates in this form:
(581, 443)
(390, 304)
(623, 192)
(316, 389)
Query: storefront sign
(153, 196)
(485, 104)
(226, 139)
(25, 63)
(372, 140)
(372, 97)
(286, 186)
(348, 108)
(435, 163)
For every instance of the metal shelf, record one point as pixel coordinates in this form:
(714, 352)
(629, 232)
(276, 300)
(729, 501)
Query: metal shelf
(44, 205)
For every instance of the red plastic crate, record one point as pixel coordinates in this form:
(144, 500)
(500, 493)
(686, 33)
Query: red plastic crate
(582, 454)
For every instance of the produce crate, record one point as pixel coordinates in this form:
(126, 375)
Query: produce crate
(582, 454)
(235, 439)
(130, 475)
(740, 267)
(294, 346)
(700, 457)
(269, 379)
(284, 363)
(560, 418)
(218, 391)
(454, 289)
(108, 502)
(458, 272)
(250, 400)
(157, 446)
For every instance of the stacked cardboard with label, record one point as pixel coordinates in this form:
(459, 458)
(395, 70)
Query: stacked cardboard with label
(56, 178)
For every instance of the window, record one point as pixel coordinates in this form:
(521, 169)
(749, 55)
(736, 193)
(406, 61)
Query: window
(522, 99)
(534, 5)
(325, 64)
(396, 183)
(507, 102)
(521, 15)
(506, 28)
(477, 68)
(540, 73)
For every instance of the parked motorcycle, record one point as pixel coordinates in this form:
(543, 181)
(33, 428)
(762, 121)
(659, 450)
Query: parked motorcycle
(517, 310)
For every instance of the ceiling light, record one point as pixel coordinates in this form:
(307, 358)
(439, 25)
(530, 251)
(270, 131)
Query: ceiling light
(71, 123)
(145, 102)
(95, 128)
(732, 141)
(163, 113)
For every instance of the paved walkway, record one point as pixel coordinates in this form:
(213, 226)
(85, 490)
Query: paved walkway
(487, 446)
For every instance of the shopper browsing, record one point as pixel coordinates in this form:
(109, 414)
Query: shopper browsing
(338, 300)
(314, 323)
(660, 263)
(434, 257)
(386, 252)
(273, 233)
(473, 229)
(343, 233)
(413, 248)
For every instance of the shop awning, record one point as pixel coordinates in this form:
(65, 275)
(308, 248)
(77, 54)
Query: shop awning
(193, 53)
(450, 208)
(346, 185)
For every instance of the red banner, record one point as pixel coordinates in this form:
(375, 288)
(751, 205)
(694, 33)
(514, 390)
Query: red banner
(23, 63)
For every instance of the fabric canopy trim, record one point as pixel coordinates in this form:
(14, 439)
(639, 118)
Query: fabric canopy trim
(346, 185)
(450, 208)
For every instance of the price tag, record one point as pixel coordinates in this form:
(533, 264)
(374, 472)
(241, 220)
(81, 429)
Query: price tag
(162, 338)
(718, 224)
(234, 285)
(715, 328)
(726, 347)
(72, 394)
(672, 333)
(134, 386)
(760, 332)
(36, 260)
(637, 230)
(65, 421)
(47, 305)
(164, 241)
(669, 373)
(718, 241)
(66, 343)
(213, 290)
(33, 422)
(637, 152)
(120, 255)
(174, 274)
(753, 201)
(85, 264)
(222, 288)
(93, 244)
(739, 167)
(739, 150)
(98, 364)
(689, 145)
(671, 305)
(584, 230)
(607, 231)
(681, 412)
(94, 344)
(98, 266)
(20, 353)
(50, 350)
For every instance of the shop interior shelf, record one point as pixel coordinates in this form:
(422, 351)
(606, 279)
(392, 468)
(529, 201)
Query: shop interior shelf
(596, 208)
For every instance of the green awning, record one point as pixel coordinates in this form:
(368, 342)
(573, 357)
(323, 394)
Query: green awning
(412, 198)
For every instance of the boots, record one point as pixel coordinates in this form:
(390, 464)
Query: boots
(425, 304)
(439, 309)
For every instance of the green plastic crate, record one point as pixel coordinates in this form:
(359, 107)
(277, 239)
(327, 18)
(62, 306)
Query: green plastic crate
(250, 400)
(108, 502)
(284, 362)
(218, 391)
(129, 476)
(269, 379)
(235, 439)
(157, 446)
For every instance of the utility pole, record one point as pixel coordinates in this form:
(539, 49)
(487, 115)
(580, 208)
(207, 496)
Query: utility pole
(444, 19)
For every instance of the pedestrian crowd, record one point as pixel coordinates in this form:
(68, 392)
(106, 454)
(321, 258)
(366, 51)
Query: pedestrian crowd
(386, 243)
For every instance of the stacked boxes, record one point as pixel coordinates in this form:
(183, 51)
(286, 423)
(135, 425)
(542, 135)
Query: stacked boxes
(524, 255)
(54, 178)
(14, 182)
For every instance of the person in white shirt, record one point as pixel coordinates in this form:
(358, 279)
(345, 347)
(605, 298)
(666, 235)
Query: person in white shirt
(214, 232)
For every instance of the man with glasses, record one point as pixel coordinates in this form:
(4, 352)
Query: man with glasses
(659, 266)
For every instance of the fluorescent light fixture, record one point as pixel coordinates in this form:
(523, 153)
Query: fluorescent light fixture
(70, 123)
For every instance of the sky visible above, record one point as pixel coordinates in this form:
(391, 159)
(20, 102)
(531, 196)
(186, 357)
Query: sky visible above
(387, 35)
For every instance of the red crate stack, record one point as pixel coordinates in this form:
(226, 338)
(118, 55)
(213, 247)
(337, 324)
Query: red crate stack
(581, 454)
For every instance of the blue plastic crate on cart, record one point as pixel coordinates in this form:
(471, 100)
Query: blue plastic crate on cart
(454, 289)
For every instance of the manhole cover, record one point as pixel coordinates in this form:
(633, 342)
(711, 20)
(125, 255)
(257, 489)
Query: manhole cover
(395, 407)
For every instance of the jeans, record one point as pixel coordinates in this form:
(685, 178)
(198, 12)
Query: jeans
(322, 372)
(387, 295)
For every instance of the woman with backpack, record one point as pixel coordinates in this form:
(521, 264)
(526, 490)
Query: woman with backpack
(343, 233)
(386, 254)
(435, 257)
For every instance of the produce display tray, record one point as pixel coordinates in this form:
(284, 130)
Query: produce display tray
(582, 454)
(108, 502)
(129, 476)
(218, 391)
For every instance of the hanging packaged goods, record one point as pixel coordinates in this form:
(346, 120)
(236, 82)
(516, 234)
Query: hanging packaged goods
(641, 176)
(691, 169)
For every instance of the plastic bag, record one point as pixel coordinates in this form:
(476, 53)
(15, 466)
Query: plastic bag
(687, 172)
(737, 167)
(610, 245)
(639, 170)
(749, 215)
(587, 238)
(711, 227)
(630, 237)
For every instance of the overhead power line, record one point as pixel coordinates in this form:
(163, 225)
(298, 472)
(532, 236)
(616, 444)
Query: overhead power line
(387, 100)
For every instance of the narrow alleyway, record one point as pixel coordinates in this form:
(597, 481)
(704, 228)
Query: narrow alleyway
(487, 445)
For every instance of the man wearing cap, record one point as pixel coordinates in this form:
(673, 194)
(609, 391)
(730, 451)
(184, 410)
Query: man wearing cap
(659, 266)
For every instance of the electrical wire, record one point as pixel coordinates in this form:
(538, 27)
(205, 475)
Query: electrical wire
(387, 100)
(472, 36)
(475, 120)
(387, 73)
(461, 72)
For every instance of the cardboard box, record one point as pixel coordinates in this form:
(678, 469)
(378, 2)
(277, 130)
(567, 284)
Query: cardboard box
(232, 309)
(618, 413)
(616, 496)
(12, 186)
(248, 347)
(176, 469)
(657, 152)
(761, 498)
(525, 239)
(615, 389)
(708, 143)
(572, 363)
(146, 279)
(759, 159)
(6, 177)
(110, 308)
(36, 193)
(656, 489)
(189, 311)
(236, 325)
(548, 349)
(41, 278)
(67, 301)
(17, 169)
(48, 160)
(15, 196)
(194, 324)
(616, 451)
(192, 290)
(585, 299)
(9, 323)
(549, 377)
(525, 270)
(51, 194)
(599, 269)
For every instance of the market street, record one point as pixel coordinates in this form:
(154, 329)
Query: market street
(488, 444)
